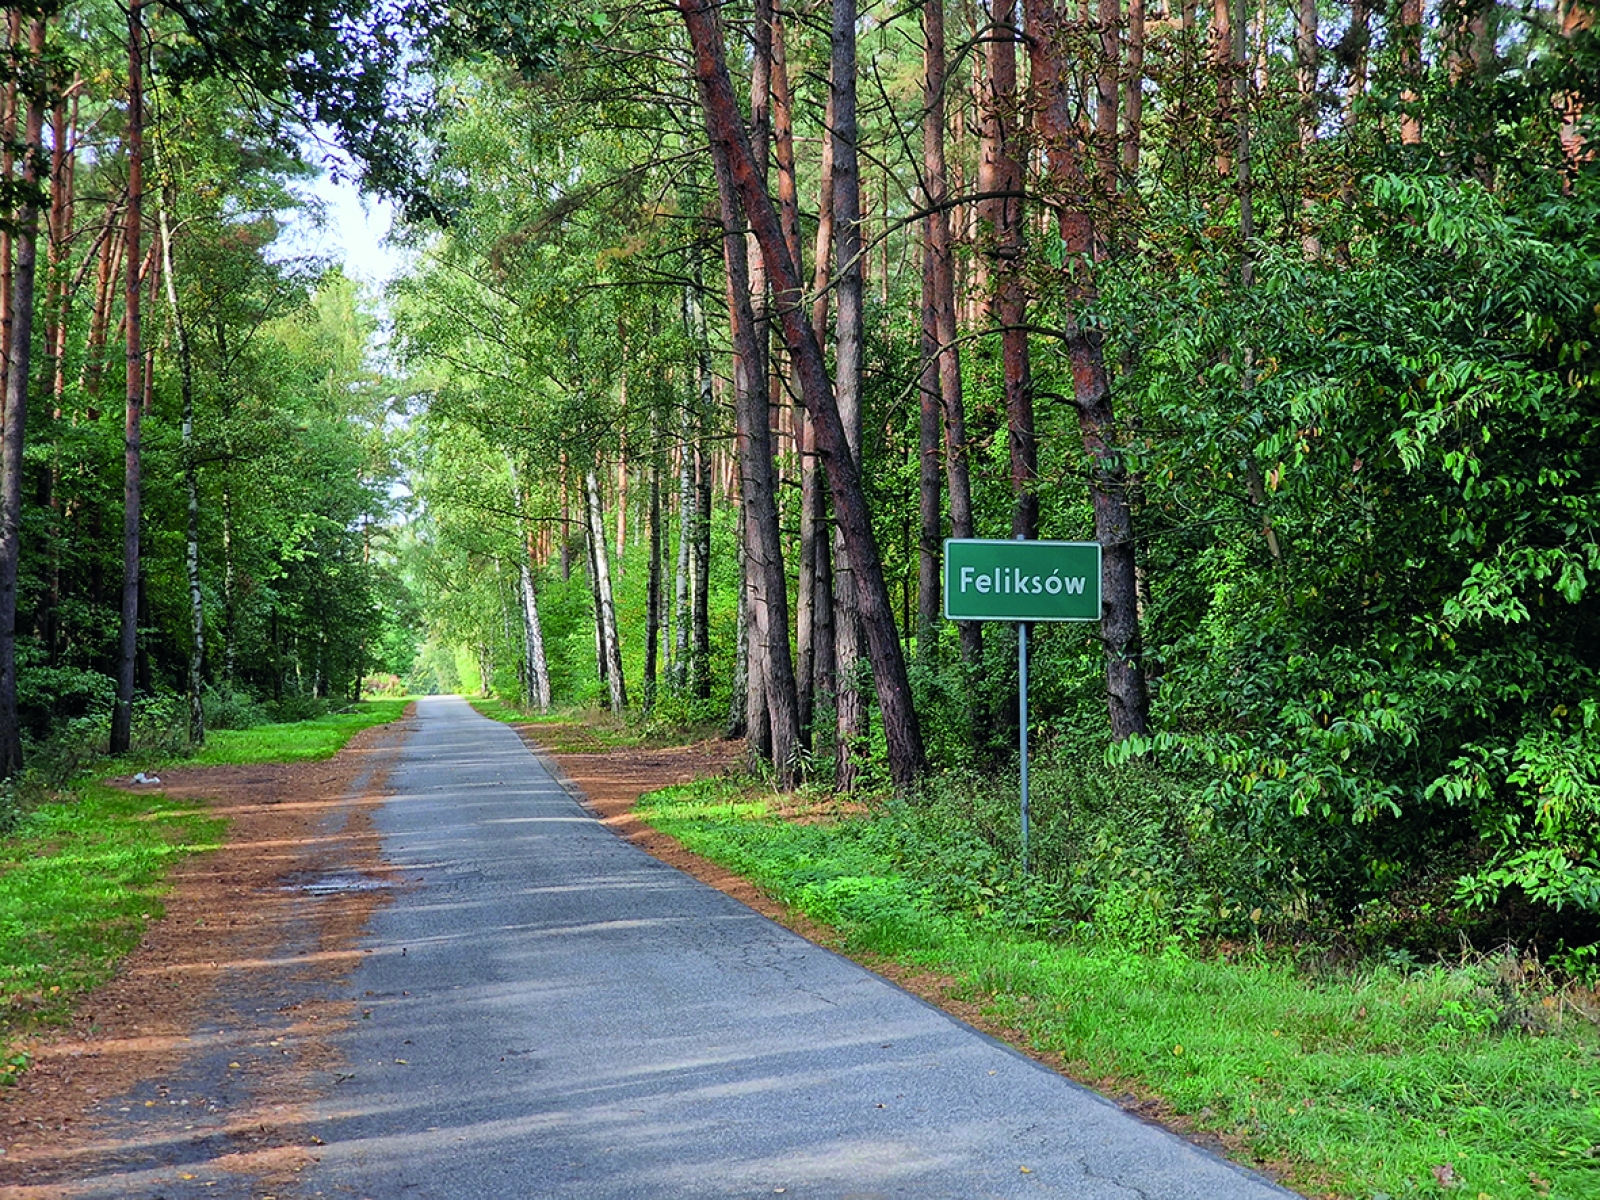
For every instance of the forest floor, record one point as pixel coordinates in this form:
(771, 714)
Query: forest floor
(202, 1050)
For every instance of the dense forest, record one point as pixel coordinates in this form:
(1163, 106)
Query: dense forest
(719, 318)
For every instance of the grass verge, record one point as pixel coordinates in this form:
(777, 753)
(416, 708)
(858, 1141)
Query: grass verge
(79, 882)
(295, 741)
(1376, 1082)
(587, 731)
(83, 875)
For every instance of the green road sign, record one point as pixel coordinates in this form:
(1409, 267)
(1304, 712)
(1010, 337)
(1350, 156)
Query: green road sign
(993, 580)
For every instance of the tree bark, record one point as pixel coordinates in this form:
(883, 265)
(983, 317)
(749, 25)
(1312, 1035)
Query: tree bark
(1000, 176)
(16, 401)
(1359, 36)
(851, 712)
(655, 601)
(1223, 67)
(772, 726)
(1108, 475)
(611, 645)
(191, 477)
(1408, 35)
(904, 737)
(1108, 87)
(1133, 104)
(816, 548)
(1308, 65)
(811, 514)
(941, 263)
(929, 510)
(700, 550)
(682, 619)
(739, 705)
(537, 664)
(122, 713)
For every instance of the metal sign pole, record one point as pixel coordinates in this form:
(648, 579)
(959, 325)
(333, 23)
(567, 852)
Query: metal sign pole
(1021, 581)
(1022, 713)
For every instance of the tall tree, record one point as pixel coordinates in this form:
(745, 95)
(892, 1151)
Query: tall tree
(122, 713)
(1000, 180)
(849, 334)
(1071, 195)
(724, 125)
(940, 278)
(18, 360)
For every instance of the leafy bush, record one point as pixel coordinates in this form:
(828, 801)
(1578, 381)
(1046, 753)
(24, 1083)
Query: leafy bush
(231, 710)
(1409, 666)
(294, 708)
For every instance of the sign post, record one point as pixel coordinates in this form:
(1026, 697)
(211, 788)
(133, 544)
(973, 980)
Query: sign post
(1022, 581)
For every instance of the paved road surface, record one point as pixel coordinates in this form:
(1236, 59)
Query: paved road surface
(556, 1014)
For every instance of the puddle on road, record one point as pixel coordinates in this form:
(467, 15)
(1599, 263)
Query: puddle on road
(333, 885)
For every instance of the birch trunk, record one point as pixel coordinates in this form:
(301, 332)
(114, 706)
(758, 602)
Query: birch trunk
(611, 645)
(533, 637)
(654, 602)
(191, 480)
(122, 713)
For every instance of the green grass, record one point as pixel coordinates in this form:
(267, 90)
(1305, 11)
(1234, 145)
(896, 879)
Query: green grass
(582, 730)
(295, 741)
(1382, 1081)
(82, 876)
(79, 882)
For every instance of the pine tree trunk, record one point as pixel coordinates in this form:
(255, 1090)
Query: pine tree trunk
(1066, 156)
(1222, 63)
(1001, 178)
(810, 508)
(1108, 87)
(679, 674)
(122, 713)
(1408, 35)
(929, 510)
(851, 713)
(1133, 104)
(16, 402)
(772, 724)
(728, 142)
(937, 243)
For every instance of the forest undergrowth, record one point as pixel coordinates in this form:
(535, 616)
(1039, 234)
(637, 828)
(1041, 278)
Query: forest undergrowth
(1396, 1048)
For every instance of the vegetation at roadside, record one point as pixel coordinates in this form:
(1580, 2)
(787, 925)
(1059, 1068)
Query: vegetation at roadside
(296, 741)
(83, 867)
(80, 879)
(1362, 1074)
(578, 731)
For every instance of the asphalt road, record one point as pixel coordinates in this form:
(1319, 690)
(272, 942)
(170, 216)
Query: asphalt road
(553, 1013)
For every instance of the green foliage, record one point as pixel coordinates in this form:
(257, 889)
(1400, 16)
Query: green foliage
(1419, 666)
(298, 740)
